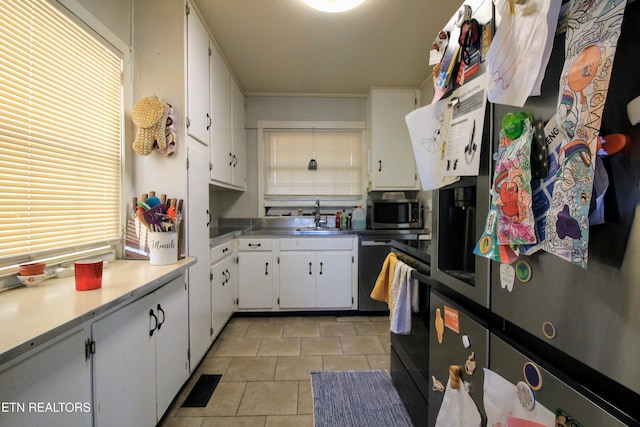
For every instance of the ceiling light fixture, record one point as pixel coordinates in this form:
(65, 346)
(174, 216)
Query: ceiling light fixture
(333, 6)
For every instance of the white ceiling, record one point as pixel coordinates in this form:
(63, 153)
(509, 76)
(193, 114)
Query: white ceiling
(283, 46)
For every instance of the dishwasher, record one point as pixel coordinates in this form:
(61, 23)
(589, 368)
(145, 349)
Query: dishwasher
(372, 251)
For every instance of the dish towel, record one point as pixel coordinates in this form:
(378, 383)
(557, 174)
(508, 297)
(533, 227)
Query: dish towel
(458, 409)
(382, 289)
(402, 289)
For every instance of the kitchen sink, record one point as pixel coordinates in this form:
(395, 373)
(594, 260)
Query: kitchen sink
(319, 231)
(299, 231)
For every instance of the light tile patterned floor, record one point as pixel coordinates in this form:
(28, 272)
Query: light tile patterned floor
(265, 364)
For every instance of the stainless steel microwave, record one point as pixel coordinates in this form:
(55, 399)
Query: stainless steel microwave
(396, 214)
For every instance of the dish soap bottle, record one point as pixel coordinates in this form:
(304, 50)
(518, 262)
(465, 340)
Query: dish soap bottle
(359, 219)
(343, 220)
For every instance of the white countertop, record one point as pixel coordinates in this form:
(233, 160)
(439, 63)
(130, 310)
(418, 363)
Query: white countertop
(32, 316)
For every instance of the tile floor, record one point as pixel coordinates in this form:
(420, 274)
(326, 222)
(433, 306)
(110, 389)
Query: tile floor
(265, 364)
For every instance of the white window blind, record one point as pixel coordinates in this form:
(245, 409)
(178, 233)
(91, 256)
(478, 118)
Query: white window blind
(337, 154)
(60, 133)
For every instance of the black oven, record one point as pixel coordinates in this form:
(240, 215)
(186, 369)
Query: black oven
(410, 353)
(373, 248)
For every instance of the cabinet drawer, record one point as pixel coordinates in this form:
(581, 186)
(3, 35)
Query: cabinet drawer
(255, 244)
(221, 251)
(316, 244)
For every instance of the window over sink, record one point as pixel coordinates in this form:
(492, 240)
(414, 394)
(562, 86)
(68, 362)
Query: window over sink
(61, 114)
(303, 161)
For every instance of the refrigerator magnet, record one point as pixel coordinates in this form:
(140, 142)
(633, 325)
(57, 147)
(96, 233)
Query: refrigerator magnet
(525, 396)
(466, 341)
(532, 376)
(549, 330)
(437, 385)
(565, 420)
(507, 276)
(470, 365)
(523, 271)
(452, 319)
(439, 325)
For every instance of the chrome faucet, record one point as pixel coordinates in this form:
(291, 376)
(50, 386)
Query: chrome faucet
(317, 216)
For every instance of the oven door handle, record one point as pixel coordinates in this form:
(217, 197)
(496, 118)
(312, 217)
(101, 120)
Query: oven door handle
(385, 242)
(423, 278)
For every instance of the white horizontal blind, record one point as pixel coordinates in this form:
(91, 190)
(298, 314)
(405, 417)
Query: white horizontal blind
(60, 132)
(338, 155)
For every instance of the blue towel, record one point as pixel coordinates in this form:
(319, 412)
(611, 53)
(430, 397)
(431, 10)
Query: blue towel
(403, 289)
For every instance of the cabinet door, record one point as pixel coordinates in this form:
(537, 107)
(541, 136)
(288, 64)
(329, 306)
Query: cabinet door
(255, 280)
(198, 246)
(221, 149)
(334, 279)
(222, 274)
(393, 163)
(57, 373)
(124, 374)
(239, 174)
(172, 343)
(298, 272)
(198, 79)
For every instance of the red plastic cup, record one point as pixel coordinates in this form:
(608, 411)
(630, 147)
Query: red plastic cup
(88, 275)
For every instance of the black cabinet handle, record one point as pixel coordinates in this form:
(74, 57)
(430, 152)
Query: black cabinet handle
(253, 245)
(320, 268)
(227, 277)
(208, 217)
(230, 159)
(164, 316)
(235, 160)
(225, 249)
(310, 268)
(152, 314)
(266, 268)
(379, 165)
(208, 121)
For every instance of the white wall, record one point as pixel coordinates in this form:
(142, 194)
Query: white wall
(114, 14)
(159, 69)
(230, 204)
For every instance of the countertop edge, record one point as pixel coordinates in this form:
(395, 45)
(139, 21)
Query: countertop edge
(129, 296)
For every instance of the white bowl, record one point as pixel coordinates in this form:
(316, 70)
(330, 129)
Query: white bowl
(31, 281)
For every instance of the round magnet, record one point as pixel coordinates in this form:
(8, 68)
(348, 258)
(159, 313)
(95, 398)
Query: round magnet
(525, 396)
(523, 271)
(549, 330)
(512, 126)
(532, 375)
(485, 244)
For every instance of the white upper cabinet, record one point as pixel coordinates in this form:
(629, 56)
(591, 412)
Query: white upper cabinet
(228, 167)
(238, 136)
(393, 165)
(198, 113)
(221, 144)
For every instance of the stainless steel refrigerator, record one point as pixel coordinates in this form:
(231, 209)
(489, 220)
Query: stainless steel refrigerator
(579, 327)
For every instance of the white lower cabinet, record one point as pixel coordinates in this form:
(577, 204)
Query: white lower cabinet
(140, 359)
(317, 273)
(50, 387)
(256, 274)
(224, 278)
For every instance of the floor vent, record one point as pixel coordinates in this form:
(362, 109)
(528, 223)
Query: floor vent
(202, 391)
